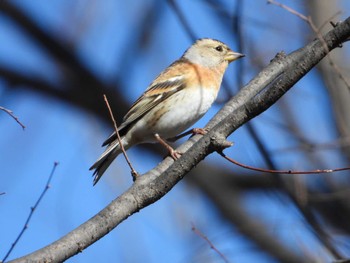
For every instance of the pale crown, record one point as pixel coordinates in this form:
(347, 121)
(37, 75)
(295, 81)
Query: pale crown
(207, 52)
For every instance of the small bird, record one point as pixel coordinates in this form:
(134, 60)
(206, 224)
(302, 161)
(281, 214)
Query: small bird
(173, 102)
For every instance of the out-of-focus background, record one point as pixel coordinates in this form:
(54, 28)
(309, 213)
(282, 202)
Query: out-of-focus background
(57, 59)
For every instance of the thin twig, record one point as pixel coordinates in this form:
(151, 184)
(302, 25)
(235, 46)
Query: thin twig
(307, 19)
(9, 112)
(317, 171)
(2, 193)
(317, 31)
(199, 233)
(134, 174)
(32, 210)
(289, 9)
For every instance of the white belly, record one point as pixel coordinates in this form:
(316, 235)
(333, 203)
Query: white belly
(183, 112)
(172, 118)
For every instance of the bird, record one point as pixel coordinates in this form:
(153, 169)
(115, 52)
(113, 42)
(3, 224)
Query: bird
(177, 98)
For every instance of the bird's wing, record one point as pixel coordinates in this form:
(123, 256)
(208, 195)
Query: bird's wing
(157, 92)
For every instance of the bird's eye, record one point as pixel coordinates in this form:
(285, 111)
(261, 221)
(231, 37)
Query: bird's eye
(219, 48)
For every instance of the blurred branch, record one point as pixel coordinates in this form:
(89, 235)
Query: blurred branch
(249, 227)
(212, 246)
(316, 30)
(53, 46)
(336, 86)
(66, 92)
(182, 19)
(140, 39)
(320, 233)
(256, 97)
(76, 79)
(334, 212)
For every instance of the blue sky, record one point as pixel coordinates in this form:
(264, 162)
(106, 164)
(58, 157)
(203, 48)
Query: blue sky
(57, 131)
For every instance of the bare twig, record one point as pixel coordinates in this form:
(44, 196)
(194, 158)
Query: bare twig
(9, 112)
(32, 210)
(307, 19)
(134, 174)
(289, 9)
(317, 171)
(317, 31)
(200, 234)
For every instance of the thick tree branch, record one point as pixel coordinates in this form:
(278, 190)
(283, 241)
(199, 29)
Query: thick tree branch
(261, 93)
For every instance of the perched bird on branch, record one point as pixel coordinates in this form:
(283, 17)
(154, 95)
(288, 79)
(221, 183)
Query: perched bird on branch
(173, 102)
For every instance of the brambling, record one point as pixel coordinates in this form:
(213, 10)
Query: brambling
(173, 102)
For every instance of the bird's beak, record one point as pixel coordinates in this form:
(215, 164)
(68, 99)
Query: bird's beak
(232, 56)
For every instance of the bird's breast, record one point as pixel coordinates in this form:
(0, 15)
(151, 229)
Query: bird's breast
(181, 110)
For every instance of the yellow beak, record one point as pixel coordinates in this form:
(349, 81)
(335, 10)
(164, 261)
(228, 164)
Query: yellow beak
(232, 56)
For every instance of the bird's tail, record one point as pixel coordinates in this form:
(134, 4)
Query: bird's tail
(105, 160)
